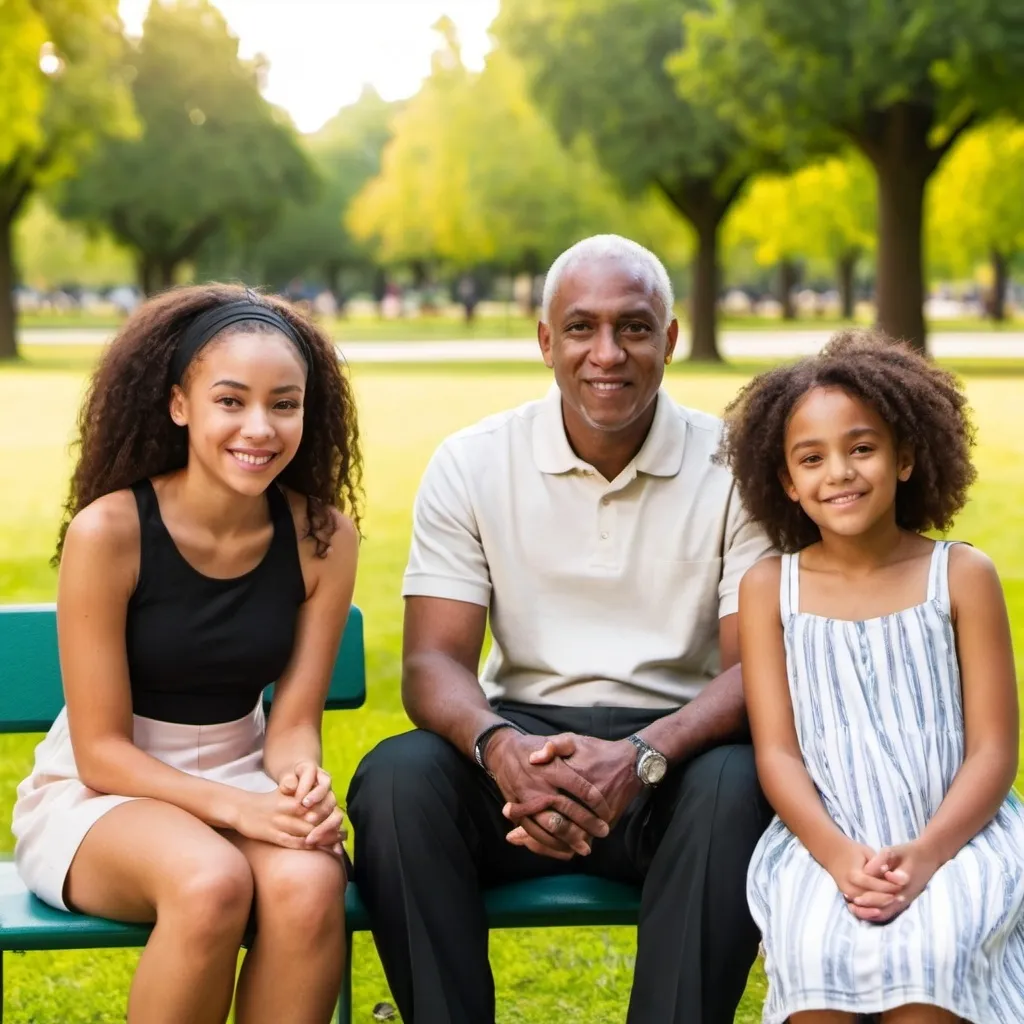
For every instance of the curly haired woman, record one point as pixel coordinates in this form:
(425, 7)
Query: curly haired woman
(209, 549)
(879, 682)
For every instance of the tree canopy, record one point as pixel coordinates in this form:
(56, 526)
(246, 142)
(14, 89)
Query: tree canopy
(213, 156)
(598, 69)
(60, 89)
(311, 239)
(476, 175)
(54, 253)
(823, 213)
(899, 80)
(976, 206)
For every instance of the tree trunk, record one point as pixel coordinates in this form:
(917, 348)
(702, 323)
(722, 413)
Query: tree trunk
(146, 272)
(165, 274)
(332, 271)
(1000, 279)
(846, 267)
(699, 201)
(787, 285)
(900, 278)
(897, 143)
(8, 317)
(704, 296)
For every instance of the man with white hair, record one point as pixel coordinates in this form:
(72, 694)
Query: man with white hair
(606, 732)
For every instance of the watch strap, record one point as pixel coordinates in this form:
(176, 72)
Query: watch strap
(480, 744)
(642, 746)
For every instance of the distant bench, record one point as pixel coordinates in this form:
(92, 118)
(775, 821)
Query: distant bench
(31, 697)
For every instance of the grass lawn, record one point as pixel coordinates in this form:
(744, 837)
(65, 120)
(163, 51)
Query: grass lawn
(501, 325)
(576, 975)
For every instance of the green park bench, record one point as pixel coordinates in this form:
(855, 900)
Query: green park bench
(31, 696)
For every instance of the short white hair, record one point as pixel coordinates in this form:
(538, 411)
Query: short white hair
(629, 255)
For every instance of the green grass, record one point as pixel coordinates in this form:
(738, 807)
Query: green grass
(579, 976)
(500, 325)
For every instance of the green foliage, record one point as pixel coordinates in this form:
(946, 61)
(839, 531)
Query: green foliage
(54, 253)
(213, 155)
(900, 80)
(976, 202)
(311, 238)
(598, 68)
(475, 175)
(822, 71)
(22, 83)
(60, 89)
(822, 213)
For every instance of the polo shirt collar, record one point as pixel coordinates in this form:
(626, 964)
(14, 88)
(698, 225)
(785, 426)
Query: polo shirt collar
(660, 455)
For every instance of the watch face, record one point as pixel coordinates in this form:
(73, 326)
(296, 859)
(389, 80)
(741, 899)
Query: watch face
(652, 767)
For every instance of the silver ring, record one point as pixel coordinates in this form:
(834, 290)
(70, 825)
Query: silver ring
(556, 821)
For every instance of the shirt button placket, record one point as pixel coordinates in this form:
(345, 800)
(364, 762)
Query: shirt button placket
(605, 522)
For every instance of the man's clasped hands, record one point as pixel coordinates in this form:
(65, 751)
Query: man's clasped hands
(564, 795)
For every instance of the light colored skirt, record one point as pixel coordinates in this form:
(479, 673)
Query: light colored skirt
(55, 810)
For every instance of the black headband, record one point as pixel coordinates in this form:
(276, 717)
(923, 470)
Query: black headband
(211, 322)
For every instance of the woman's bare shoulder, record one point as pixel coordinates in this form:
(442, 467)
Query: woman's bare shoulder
(110, 523)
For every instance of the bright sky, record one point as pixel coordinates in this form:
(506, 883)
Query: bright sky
(321, 52)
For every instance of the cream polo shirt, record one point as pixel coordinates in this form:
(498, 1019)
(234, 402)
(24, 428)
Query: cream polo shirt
(600, 593)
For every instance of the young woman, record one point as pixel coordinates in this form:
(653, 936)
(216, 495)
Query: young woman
(880, 687)
(209, 550)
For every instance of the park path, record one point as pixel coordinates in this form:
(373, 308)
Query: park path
(771, 344)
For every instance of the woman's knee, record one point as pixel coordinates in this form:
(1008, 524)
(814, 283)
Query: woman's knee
(210, 898)
(301, 889)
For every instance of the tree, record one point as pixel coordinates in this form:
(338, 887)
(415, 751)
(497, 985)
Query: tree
(597, 67)
(976, 210)
(900, 80)
(54, 253)
(475, 175)
(823, 212)
(213, 155)
(60, 88)
(311, 237)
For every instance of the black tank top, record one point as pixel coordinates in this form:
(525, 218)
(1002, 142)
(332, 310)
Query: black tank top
(201, 650)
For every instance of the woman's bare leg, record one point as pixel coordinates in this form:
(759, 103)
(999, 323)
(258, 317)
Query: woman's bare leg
(150, 861)
(300, 922)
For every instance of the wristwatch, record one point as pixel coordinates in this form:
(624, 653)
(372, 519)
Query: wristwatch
(651, 764)
(480, 746)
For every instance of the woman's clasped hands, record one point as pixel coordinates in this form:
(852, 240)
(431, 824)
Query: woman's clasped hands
(877, 886)
(301, 814)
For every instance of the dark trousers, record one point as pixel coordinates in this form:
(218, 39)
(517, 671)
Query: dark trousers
(430, 835)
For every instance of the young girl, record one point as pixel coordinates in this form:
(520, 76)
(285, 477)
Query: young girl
(204, 557)
(880, 687)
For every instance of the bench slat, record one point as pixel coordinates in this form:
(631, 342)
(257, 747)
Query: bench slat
(31, 694)
(27, 923)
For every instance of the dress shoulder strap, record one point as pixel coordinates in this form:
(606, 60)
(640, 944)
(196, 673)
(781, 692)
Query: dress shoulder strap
(283, 558)
(280, 510)
(145, 500)
(938, 574)
(789, 585)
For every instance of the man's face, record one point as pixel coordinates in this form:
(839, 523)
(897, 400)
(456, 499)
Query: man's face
(607, 339)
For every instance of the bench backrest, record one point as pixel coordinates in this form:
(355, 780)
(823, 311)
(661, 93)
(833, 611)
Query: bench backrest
(31, 694)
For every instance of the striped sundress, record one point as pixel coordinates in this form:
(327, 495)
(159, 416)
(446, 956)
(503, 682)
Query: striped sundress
(878, 713)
